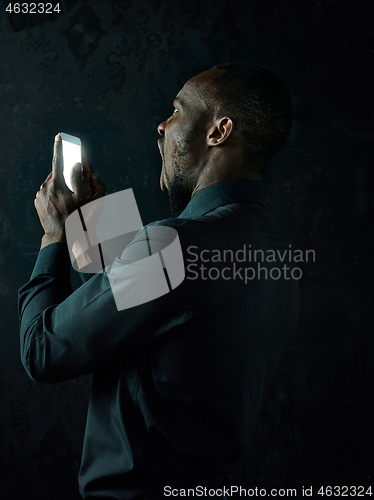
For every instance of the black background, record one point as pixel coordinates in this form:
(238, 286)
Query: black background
(107, 72)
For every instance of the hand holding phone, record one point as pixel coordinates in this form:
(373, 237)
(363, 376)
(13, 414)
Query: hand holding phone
(57, 190)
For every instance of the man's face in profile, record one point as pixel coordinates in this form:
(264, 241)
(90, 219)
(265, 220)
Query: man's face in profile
(182, 145)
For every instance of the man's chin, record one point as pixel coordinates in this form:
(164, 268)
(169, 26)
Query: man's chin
(177, 192)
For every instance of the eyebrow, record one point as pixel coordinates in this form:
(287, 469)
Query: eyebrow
(175, 100)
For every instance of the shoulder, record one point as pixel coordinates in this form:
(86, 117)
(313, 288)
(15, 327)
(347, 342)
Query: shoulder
(229, 221)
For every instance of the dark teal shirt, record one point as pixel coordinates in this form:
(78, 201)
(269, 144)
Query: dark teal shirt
(178, 381)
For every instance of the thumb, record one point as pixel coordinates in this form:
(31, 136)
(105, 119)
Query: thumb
(76, 180)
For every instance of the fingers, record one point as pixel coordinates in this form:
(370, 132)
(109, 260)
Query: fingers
(76, 180)
(87, 173)
(42, 186)
(86, 185)
(57, 161)
(87, 167)
(98, 187)
(93, 188)
(49, 176)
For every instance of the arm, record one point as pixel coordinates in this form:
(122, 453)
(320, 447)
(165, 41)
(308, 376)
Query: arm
(65, 334)
(54, 202)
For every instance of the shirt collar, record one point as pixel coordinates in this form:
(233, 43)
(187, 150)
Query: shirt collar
(224, 193)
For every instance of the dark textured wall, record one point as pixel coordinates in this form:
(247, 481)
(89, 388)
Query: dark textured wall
(107, 71)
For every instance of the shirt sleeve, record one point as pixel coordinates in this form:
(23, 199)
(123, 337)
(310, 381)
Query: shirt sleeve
(65, 334)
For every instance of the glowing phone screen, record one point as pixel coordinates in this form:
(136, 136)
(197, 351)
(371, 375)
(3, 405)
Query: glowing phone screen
(71, 150)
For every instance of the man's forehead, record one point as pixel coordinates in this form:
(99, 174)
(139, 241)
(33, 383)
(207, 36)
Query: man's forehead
(197, 88)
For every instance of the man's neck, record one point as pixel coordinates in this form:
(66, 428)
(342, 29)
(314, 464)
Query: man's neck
(224, 175)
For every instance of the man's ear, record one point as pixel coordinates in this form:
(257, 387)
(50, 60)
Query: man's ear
(220, 131)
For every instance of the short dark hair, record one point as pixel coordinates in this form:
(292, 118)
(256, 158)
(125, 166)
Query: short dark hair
(260, 103)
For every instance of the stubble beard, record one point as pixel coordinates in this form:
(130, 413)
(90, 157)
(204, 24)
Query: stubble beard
(177, 186)
(177, 191)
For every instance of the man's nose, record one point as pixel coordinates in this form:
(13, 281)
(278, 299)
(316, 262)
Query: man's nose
(161, 128)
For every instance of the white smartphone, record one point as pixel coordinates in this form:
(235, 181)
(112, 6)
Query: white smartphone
(72, 154)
